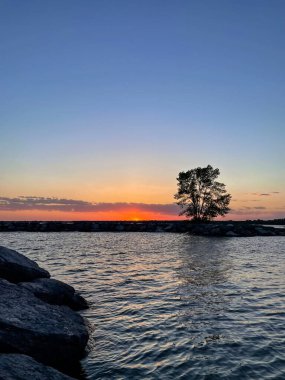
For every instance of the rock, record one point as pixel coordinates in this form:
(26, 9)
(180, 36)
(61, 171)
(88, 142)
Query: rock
(228, 227)
(55, 292)
(15, 267)
(262, 231)
(169, 227)
(199, 230)
(53, 335)
(23, 367)
(216, 231)
(95, 227)
(231, 234)
(119, 228)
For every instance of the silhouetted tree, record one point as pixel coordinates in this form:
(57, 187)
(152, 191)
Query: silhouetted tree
(201, 197)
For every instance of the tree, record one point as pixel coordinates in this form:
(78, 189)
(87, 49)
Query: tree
(201, 197)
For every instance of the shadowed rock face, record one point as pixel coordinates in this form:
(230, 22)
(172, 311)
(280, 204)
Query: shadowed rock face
(55, 292)
(15, 267)
(22, 367)
(53, 335)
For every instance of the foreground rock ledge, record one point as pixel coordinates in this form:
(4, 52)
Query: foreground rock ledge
(52, 334)
(35, 321)
(20, 367)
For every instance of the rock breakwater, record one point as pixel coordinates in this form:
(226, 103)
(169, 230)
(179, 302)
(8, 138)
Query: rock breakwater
(38, 327)
(219, 228)
(235, 229)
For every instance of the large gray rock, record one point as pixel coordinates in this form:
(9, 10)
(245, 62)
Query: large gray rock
(22, 367)
(53, 335)
(15, 267)
(55, 292)
(231, 234)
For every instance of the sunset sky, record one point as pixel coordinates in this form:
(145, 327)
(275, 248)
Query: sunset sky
(104, 102)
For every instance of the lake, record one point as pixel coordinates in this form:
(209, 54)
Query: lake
(172, 306)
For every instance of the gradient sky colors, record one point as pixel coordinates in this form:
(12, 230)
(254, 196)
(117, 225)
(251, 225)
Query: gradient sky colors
(102, 103)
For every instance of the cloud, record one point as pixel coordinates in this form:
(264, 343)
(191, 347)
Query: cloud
(71, 205)
(254, 213)
(251, 208)
(245, 200)
(264, 194)
(249, 200)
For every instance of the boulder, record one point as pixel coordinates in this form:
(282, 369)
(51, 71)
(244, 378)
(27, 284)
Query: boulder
(119, 228)
(215, 231)
(55, 292)
(23, 367)
(53, 335)
(197, 229)
(15, 267)
(95, 227)
(262, 231)
(231, 234)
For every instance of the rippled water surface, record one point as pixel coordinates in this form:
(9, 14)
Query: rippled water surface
(173, 306)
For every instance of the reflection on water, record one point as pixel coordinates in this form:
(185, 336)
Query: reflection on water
(202, 276)
(169, 306)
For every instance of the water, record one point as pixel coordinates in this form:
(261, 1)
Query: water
(173, 306)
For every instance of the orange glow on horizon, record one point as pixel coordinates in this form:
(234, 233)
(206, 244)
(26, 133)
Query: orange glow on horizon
(134, 215)
(243, 206)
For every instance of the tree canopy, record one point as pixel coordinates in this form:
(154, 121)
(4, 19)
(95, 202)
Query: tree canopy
(200, 196)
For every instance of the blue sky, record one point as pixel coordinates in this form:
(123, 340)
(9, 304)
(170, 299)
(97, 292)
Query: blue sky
(106, 101)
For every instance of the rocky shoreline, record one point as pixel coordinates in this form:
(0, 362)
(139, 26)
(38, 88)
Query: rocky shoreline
(41, 334)
(219, 228)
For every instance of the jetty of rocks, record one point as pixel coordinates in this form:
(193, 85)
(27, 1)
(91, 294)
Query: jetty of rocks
(41, 334)
(217, 228)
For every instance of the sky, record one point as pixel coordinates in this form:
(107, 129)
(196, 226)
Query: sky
(103, 103)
